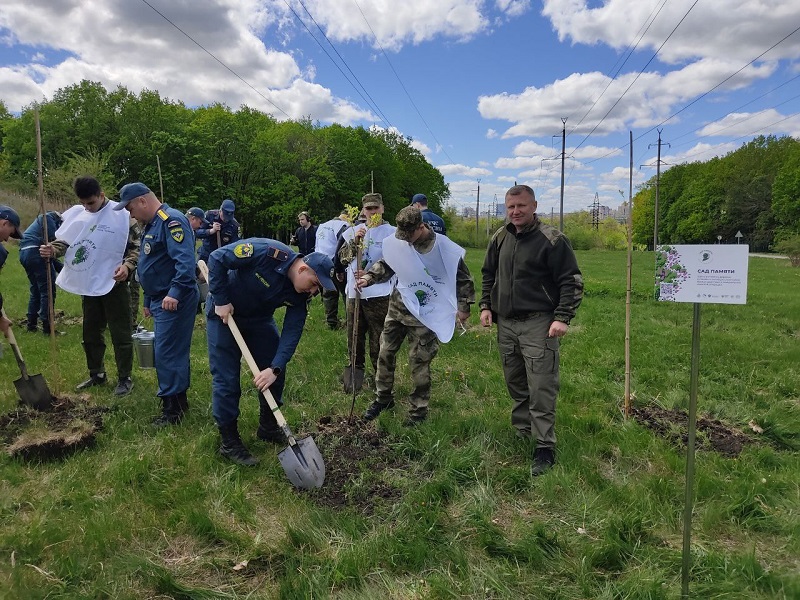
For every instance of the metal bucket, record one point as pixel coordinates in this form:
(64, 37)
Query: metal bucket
(144, 344)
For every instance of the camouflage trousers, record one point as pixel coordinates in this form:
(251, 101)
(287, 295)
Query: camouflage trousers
(371, 313)
(423, 345)
(531, 370)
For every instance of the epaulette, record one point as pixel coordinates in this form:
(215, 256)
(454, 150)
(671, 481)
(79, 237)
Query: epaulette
(277, 253)
(551, 233)
(162, 214)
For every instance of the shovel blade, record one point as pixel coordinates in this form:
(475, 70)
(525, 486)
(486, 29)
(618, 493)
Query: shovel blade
(34, 392)
(303, 465)
(352, 379)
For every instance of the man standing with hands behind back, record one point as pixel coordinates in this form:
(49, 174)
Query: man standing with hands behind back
(532, 287)
(167, 276)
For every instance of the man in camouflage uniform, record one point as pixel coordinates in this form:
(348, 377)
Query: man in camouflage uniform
(531, 288)
(374, 304)
(434, 288)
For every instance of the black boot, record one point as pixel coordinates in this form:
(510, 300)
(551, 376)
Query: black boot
(181, 403)
(268, 430)
(170, 414)
(543, 461)
(33, 323)
(232, 447)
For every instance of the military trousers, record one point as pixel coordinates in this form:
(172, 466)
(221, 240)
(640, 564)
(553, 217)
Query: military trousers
(371, 314)
(423, 346)
(224, 357)
(112, 311)
(531, 370)
(330, 301)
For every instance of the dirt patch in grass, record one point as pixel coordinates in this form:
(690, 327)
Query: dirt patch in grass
(673, 425)
(358, 463)
(69, 424)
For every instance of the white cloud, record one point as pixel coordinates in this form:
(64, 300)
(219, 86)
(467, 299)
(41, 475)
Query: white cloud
(463, 170)
(422, 147)
(491, 134)
(131, 45)
(744, 124)
(734, 30)
(395, 23)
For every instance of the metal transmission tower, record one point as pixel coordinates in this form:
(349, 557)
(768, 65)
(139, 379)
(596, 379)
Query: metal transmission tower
(595, 212)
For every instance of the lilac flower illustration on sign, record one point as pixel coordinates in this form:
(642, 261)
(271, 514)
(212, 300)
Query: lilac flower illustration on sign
(670, 273)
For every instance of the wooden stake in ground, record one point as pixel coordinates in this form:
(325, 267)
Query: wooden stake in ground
(51, 313)
(628, 292)
(160, 182)
(355, 380)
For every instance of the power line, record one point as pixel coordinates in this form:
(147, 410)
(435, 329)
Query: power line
(639, 74)
(627, 54)
(371, 102)
(701, 96)
(199, 45)
(410, 99)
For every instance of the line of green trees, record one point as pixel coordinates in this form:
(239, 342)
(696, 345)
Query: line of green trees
(755, 190)
(272, 169)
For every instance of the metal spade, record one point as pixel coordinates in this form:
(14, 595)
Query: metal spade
(32, 389)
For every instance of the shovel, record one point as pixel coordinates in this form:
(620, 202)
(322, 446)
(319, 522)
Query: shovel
(301, 459)
(32, 389)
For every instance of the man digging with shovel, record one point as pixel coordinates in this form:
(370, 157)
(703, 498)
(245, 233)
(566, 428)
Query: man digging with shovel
(251, 280)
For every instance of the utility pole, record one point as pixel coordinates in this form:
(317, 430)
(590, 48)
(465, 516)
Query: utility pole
(478, 211)
(563, 157)
(658, 179)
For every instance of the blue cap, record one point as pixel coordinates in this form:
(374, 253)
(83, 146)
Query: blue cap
(323, 267)
(196, 212)
(129, 192)
(228, 206)
(421, 198)
(10, 215)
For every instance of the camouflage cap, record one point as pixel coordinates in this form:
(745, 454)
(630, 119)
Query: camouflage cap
(408, 221)
(373, 200)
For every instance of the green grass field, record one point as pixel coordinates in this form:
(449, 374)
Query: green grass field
(157, 514)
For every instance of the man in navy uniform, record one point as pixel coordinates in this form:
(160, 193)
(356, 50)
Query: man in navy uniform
(251, 280)
(36, 268)
(222, 229)
(167, 276)
(9, 228)
(433, 220)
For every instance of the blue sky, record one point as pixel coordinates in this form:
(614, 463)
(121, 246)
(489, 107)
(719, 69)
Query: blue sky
(480, 85)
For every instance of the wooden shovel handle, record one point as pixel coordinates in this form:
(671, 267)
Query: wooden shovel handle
(17, 353)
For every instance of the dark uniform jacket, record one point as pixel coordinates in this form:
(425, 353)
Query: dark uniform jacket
(253, 276)
(306, 239)
(166, 262)
(228, 233)
(532, 271)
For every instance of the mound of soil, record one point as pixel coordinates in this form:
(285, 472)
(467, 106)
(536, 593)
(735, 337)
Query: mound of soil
(673, 425)
(69, 424)
(358, 464)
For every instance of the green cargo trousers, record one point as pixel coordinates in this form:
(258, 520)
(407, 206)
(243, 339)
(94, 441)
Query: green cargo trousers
(113, 310)
(423, 345)
(530, 367)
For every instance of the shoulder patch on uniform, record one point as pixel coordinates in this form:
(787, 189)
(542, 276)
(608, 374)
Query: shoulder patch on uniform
(551, 233)
(243, 250)
(177, 234)
(277, 253)
(162, 214)
(174, 223)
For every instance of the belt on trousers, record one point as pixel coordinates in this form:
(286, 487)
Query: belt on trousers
(527, 316)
